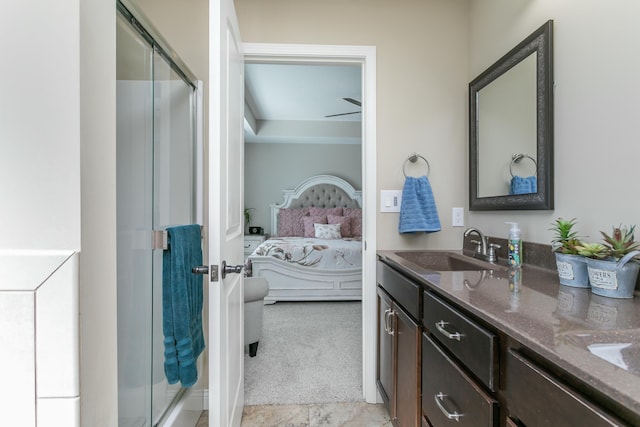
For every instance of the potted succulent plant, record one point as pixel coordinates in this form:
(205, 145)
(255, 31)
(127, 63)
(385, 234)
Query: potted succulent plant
(612, 266)
(572, 267)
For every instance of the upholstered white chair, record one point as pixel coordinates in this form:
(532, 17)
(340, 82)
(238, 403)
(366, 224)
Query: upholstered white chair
(255, 289)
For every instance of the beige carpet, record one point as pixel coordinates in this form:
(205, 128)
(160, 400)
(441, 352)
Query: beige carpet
(310, 352)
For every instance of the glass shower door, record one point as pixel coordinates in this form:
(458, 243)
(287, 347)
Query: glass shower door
(174, 195)
(155, 189)
(134, 151)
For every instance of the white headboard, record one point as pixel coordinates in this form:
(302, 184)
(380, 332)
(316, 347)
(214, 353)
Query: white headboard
(323, 191)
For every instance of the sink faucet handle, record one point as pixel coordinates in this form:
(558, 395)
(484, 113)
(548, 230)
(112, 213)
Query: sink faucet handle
(492, 256)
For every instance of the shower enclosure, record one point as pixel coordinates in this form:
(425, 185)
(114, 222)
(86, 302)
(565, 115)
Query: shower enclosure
(156, 188)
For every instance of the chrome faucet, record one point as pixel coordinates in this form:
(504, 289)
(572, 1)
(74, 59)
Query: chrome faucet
(485, 250)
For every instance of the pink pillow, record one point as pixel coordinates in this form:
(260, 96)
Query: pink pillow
(345, 224)
(356, 220)
(313, 211)
(290, 222)
(309, 228)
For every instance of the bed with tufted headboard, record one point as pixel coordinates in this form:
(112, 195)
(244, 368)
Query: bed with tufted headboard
(316, 253)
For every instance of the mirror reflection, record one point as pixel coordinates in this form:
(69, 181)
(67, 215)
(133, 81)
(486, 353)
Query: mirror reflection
(507, 132)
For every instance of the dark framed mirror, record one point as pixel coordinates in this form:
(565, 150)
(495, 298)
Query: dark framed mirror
(511, 129)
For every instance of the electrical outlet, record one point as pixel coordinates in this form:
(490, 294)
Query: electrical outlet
(457, 217)
(390, 200)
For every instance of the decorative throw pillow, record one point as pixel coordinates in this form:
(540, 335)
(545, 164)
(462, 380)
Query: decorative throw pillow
(290, 222)
(328, 231)
(356, 220)
(309, 230)
(314, 211)
(345, 224)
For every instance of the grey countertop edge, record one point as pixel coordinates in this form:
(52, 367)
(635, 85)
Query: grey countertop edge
(619, 386)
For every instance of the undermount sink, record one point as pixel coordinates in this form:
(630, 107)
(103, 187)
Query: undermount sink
(446, 261)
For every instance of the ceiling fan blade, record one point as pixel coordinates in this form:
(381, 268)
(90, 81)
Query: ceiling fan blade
(353, 101)
(344, 114)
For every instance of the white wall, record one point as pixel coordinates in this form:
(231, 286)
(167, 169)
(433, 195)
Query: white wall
(271, 168)
(40, 214)
(40, 126)
(98, 327)
(597, 154)
(421, 50)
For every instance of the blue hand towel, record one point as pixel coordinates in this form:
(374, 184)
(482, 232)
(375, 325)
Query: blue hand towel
(182, 304)
(418, 210)
(522, 185)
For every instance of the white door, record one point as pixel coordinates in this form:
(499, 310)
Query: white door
(226, 219)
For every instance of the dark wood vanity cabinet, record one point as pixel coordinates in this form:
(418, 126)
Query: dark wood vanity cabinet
(398, 372)
(440, 365)
(459, 368)
(535, 398)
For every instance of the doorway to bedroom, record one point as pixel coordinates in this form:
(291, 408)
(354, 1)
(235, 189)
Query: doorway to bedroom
(307, 116)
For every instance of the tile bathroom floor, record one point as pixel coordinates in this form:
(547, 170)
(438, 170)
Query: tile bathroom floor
(355, 414)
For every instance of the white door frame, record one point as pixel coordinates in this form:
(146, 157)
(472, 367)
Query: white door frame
(366, 56)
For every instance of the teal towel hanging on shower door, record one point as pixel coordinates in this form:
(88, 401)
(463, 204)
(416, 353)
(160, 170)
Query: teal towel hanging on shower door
(182, 304)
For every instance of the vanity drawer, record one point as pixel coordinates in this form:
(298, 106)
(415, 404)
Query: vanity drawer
(449, 396)
(535, 398)
(403, 290)
(471, 344)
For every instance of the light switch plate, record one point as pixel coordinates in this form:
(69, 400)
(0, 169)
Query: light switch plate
(390, 200)
(457, 217)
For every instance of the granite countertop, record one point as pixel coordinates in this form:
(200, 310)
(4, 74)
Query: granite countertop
(595, 339)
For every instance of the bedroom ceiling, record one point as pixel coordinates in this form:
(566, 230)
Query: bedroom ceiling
(288, 103)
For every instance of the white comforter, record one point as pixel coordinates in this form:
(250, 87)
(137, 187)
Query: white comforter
(310, 252)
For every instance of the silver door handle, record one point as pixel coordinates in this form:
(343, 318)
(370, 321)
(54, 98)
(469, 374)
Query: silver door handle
(391, 316)
(201, 269)
(228, 269)
(386, 320)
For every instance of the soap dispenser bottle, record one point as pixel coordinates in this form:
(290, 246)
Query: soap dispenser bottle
(514, 245)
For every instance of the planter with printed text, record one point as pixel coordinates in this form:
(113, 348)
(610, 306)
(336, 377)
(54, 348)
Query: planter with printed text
(614, 279)
(572, 267)
(572, 270)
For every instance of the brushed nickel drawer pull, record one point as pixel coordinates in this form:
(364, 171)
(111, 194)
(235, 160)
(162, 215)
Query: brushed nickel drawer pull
(439, 398)
(390, 317)
(386, 320)
(452, 336)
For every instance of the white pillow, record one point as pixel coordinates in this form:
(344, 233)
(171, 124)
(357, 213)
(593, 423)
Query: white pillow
(328, 231)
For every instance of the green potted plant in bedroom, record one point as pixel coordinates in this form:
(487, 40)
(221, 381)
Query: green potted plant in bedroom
(572, 267)
(247, 219)
(613, 266)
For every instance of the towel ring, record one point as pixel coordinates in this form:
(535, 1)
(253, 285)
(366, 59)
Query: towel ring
(516, 159)
(414, 158)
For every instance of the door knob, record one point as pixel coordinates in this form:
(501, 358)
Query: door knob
(228, 269)
(201, 269)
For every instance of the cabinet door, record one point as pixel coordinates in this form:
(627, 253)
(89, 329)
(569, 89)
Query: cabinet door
(449, 396)
(384, 377)
(535, 398)
(407, 391)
